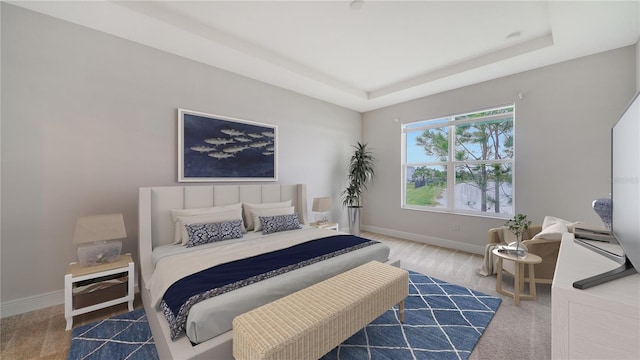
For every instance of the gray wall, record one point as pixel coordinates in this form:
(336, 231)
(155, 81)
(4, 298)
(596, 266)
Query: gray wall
(87, 118)
(638, 66)
(562, 146)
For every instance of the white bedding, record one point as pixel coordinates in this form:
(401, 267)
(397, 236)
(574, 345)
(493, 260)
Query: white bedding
(172, 249)
(170, 269)
(214, 316)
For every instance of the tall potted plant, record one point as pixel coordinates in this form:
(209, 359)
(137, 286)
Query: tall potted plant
(360, 172)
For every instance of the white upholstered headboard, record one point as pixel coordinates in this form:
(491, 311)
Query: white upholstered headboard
(154, 217)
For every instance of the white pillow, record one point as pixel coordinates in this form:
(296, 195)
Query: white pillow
(177, 239)
(205, 219)
(552, 232)
(256, 213)
(248, 217)
(551, 220)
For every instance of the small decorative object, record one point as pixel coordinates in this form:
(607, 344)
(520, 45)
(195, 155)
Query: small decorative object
(360, 172)
(97, 229)
(518, 225)
(602, 207)
(322, 205)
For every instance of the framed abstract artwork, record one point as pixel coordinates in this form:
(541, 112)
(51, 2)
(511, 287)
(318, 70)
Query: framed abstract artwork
(221, 148)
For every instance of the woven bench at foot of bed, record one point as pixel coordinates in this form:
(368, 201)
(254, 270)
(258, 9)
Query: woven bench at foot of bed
(309, 323)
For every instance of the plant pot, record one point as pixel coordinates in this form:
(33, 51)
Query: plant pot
(517, 248)
(353, 212)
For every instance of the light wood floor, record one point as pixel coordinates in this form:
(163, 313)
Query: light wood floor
(522, 332)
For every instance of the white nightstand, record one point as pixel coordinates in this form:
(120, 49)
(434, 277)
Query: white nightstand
(78, 275)
(325, 225)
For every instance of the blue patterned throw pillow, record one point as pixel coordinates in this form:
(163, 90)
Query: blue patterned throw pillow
(200, 234)
(273, 224)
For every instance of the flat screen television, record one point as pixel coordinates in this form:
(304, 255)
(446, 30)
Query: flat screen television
(625, 196)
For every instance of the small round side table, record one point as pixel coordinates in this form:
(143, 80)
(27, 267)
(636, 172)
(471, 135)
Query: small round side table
(518, 277)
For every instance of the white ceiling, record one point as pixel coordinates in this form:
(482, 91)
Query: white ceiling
(383, 53)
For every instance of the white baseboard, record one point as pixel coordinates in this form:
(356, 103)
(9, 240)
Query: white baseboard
(31, 303)
(36, 302)
(456, 245)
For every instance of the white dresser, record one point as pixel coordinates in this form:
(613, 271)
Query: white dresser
(602, 322)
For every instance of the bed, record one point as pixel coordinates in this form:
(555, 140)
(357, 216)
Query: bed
(212, 339)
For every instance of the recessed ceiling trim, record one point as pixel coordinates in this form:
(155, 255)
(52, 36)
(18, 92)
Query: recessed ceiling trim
(217, 38)
(578, 28)
(482, 60)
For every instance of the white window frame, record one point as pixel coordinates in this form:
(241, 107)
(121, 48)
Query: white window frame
(451, 163)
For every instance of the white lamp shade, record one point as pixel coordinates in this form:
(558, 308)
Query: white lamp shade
(322, 204)
(99, 228)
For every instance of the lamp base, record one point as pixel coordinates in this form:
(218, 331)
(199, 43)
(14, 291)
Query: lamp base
(99, 253)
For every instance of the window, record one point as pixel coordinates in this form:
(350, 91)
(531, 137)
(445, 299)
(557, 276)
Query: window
(461, 163)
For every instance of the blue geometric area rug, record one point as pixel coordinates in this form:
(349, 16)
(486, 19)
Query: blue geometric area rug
(442, 321)
(125, 336)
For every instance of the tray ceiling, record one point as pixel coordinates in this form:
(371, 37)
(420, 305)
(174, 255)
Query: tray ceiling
(368, 54)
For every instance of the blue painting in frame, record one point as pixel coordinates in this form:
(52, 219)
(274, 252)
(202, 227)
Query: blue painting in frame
(220, 148)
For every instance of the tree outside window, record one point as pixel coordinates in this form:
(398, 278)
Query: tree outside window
(461, 163)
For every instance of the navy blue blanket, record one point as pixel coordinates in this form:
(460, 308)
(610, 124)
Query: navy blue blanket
(217, 280)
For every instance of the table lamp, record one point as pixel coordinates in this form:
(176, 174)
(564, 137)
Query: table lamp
(322, 205)
(97, 229)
